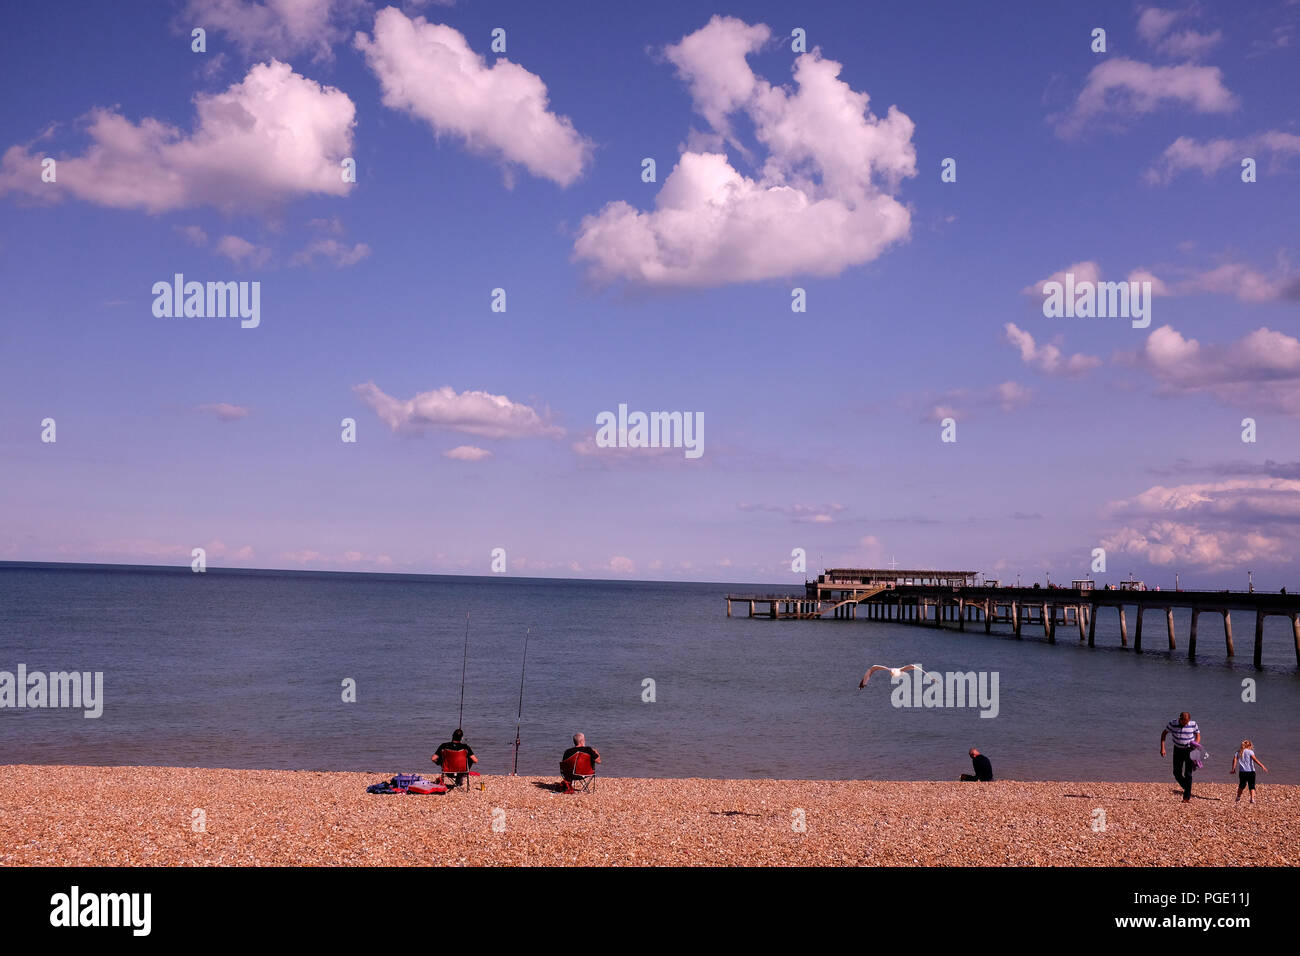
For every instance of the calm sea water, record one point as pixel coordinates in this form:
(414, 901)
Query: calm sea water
(229, 669)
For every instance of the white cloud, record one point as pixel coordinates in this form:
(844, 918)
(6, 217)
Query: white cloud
(1168, 543)
(1212, 525)
(334, 251)
(809, 514)
(282, 28)
(622, 565)
(474, 413)
(822, 200)
(1260, 371)
(225, 411)
(271, 137)
(1046, 357)
(467, 453)
(1119, 90)
(194, 235)
(1086, 271)
(1211, 156)
(1155, 27)
(429, 71)
(958, 403)
(242, 252)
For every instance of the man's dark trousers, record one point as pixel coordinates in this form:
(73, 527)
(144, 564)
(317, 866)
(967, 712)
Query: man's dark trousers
(1183, 768)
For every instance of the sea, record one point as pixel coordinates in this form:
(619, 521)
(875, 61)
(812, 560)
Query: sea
(363, 672)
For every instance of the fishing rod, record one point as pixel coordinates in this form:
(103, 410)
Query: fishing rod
(523, 670)
(464, 664)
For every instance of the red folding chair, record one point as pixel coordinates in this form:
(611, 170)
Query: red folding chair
(579, 769)
(455, 764)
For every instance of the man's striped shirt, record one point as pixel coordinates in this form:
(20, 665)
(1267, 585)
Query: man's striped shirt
(1183, 736)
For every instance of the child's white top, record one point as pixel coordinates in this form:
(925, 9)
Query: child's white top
(1246, 761)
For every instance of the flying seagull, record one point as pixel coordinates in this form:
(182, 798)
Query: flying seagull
(893, 672)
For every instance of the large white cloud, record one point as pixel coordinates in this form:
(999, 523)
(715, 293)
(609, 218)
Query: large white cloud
(429, 71)
(1260, 371)
(473, 412)
(822, 199)
(273, 136)
(1212, 525)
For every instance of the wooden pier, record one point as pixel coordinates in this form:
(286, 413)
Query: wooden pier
(952, 598)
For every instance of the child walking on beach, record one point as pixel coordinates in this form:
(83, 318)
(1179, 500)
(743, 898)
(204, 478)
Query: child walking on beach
(1243, 765)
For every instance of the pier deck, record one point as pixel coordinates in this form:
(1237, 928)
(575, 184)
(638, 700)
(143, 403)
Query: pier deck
(939, 605)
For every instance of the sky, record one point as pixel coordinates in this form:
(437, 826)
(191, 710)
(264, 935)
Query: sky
(837, 265)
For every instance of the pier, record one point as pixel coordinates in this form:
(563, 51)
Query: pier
(955, 599)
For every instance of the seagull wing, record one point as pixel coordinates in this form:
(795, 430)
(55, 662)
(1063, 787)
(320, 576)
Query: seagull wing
(867, 676)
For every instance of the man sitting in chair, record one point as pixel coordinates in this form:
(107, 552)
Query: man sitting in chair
(569, 765)
(452, 746)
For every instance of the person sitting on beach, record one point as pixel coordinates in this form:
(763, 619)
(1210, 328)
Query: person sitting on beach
(1243, 764)
(579, 746)
(456, 743)
(1187, 735)
(983, 767)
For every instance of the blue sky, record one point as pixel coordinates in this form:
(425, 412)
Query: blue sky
(478, 170)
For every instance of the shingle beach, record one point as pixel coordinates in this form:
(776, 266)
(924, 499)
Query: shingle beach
(145, 816)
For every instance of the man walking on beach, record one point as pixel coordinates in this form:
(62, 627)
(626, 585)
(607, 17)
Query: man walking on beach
(982, 765)
(1187, 735)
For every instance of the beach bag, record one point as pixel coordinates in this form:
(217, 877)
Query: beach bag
(426, 786)
(403, 781)
(1199, 756)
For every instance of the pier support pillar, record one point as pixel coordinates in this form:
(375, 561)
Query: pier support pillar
(1137, 638)
(1049, 622)
(1079, 615)
(1295, 634)
(751, 608)
(1169, 619)
(1092, 625)
(1123, 627)
(728, 607)
(1259, 638)
(1227, 630)
(1015, 617)
(988, 621)
(1191, 635)
(961, 614)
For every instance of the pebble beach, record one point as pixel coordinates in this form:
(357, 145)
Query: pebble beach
(127, 816)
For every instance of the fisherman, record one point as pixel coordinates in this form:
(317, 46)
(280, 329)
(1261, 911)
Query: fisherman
(456, 743)
(579, 746)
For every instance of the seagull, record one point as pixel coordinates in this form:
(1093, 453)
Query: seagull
(893, 672)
